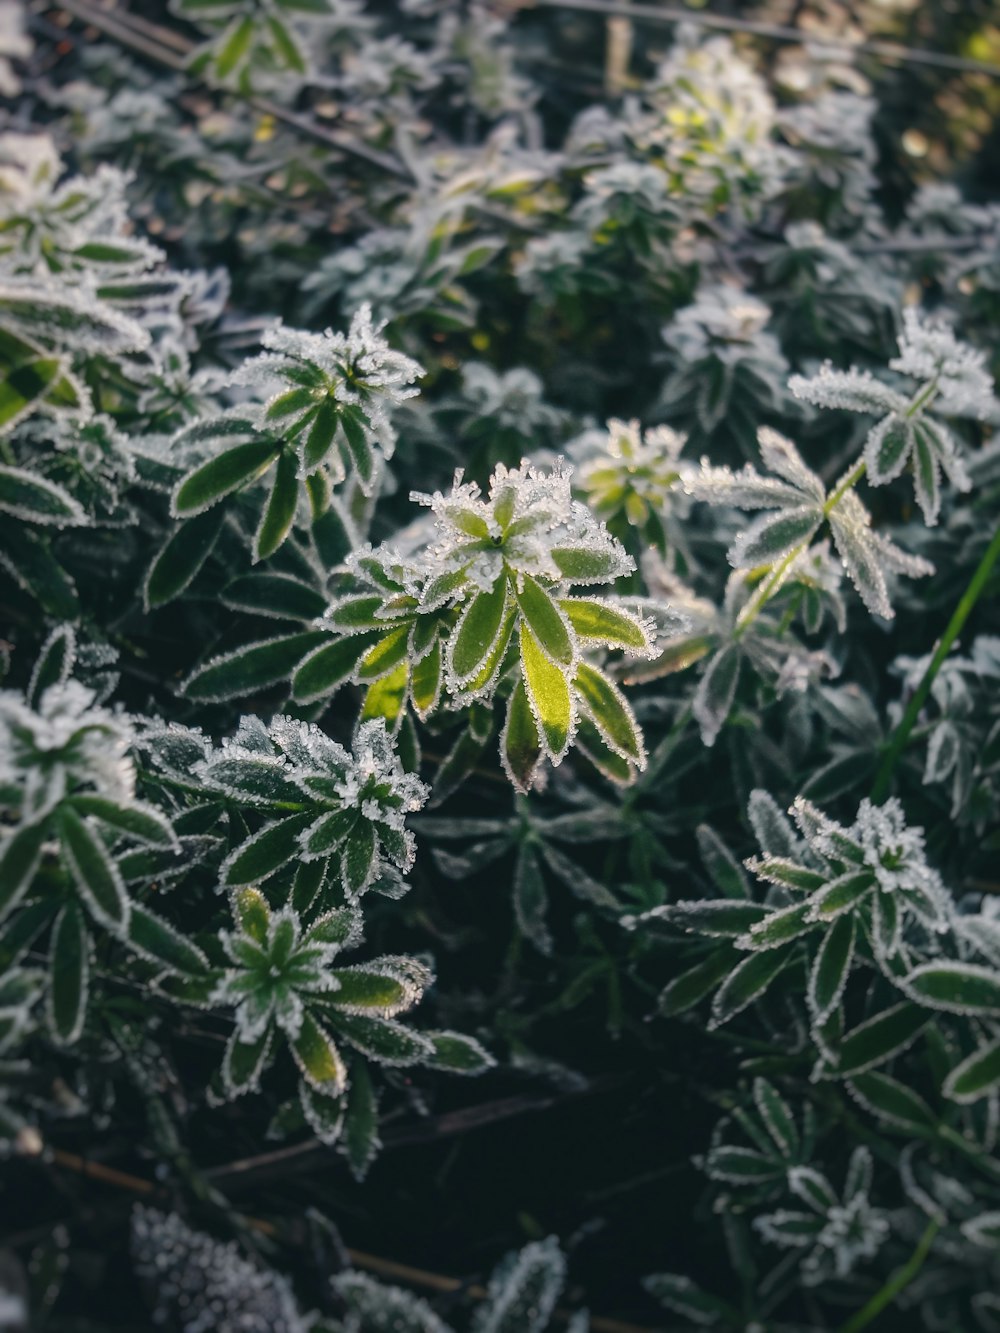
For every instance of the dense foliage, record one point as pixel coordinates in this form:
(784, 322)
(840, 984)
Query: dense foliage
(499, 710)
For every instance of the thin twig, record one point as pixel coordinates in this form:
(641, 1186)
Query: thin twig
(881, 50)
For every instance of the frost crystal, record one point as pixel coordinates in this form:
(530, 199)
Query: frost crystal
(68, 744)
(273, 975)
(526, 525)
(951, 378)
(634, 472)
(203, 1285)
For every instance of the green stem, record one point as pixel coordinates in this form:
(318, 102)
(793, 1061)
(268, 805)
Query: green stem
(896, 1283)
(961, 614)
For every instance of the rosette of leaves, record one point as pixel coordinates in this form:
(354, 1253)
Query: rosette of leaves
(948, 378)
(287, 991)
(67, 787)
(334, 822)
(726, 371)
(633, 483)
(487, 605)
(841, 901)
(325, 414)
(798, 506)
(255, 42)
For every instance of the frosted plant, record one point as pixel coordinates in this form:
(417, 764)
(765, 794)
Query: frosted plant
(79, 228)
(778, 1143)
(711, 127)
(67, 745)
(15, 45)
(336, 818)
(487, 601)
(503, 412)
(478, 43)
(205, 1285)
(840, 898)
(521, 1297)
(285, 988)
(327, 404)
(836, 155)
(257, 43)
(632, 480)
(728, 369)
(798, 506)
(846, 302)
(89, 459)
(68, 783)
(949, 376)
(838, 1232)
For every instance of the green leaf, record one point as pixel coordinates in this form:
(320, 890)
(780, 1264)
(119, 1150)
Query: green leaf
(831, 967)
(243, 1062)
(610, 713)
(279, 512)
(548, 694)
(178, 563)
(382, 1039)
(254, 667)
(895, 1104)
(277, 595)
(35, 499)
(841, 894)
(360, 1140)
(425, 685)
(95, 874)
(69, 968)
(958, 988)
(477, 631)
(879, 1038)
(385, 655)
(253, 913)
(326, 1119)
(777, 1118)
(976, 1076)
(366, 988)
(748, 982)
(318, 1058)
(386, 698)
(320, 437)
(600, 622)
(20, 854)
(207, 484)
(581, 564)
(520, 747)
(286, 46)
(235, 47)
(531, 900)
(141, 822)
(55, 662)
(359, 450)
(457, 1053)
(358, 864)
(719, 917)
(545, 621)
(778, 927)
(158, 941)
(690, 987)
(26, 555)
(267, 851)
(23, 387)
(326, 668)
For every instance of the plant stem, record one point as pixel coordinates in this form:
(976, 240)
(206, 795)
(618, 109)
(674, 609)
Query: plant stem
(961, 614)
(896, 1283)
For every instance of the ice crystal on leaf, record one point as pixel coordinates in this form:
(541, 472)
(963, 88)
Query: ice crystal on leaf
(203, 1285)
(950, 380)
(343, 811)
(631, 479)
(839, 1232)
(68, 744)
(800, 506)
